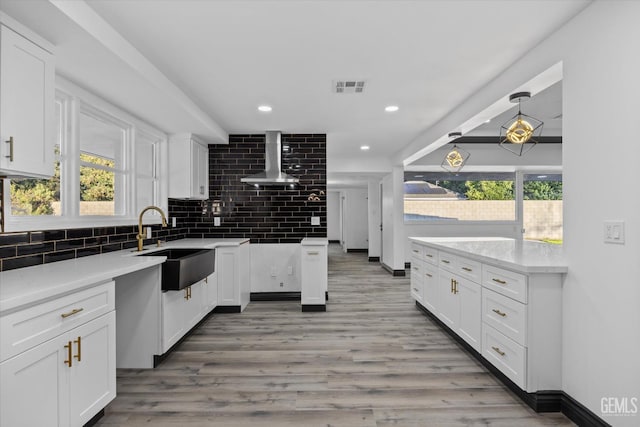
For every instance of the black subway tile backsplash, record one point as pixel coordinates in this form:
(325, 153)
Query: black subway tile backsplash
(265, 215)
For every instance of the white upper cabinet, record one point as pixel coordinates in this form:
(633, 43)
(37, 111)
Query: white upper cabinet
(188, 167)
(27, 89)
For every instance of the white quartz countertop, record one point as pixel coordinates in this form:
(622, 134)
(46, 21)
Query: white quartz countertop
(518, 255)
(30, 285)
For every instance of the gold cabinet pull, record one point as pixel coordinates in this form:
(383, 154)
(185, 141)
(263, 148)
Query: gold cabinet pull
(416, 268)
(186, 293)
(445, 261)
(502, 282)
(69, 360)
(497, 350)
(455, 286)
(78, 342)
(206, 279)
(466, 269)
(10, 142)
(415, 289)
(71, 313)
(416, 251)
(428, 275)
(429, 256)
(451, 285)
(499, 313)
(189, 292)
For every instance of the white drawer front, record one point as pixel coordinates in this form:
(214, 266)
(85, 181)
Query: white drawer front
(448, 262)
(508, 283)
(505, 315)
(431, 255)
(505, 354)
(417, 250)
(472, 270)
(34, 325)
(417, 279)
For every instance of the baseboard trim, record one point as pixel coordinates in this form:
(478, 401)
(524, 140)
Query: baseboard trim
(580, 414)
(540, 401)
(226, 309)
(275, 296)
(394, 273)
(374, 259)
(357, 250)
(314, 307)
(94, 419)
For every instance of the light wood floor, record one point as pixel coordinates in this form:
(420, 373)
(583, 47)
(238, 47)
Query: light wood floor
(371, 360)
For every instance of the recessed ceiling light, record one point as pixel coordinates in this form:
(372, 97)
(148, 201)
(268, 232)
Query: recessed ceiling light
(364, 147)
(391, 108)
(265, 108)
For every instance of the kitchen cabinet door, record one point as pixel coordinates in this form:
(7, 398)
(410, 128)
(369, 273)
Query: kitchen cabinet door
(448, 304)
(36, 378)
(314, 275)
(93, 374)
(173, 324)
(417, 279)
(430, 287)
(26, 107)
(188, 167)
(469, 325)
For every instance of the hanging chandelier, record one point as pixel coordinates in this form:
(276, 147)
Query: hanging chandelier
(520, 133)
(456, 158)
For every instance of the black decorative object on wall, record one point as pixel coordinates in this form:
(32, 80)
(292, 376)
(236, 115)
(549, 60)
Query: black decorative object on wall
(274, 214)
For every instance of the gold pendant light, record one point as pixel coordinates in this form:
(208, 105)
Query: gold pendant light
(520, 134)
(456, 158)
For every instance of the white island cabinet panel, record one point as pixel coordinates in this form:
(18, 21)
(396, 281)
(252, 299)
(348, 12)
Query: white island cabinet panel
(504, 298)
(314, 266)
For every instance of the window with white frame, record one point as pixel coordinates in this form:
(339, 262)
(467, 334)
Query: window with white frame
(470, 196)
(108, 167)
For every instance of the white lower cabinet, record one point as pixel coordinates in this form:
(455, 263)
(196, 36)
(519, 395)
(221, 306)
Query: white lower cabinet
(459, 307)
(314, 275)
(69, 378)
(512, 319)
(181, 311)
(234, 275)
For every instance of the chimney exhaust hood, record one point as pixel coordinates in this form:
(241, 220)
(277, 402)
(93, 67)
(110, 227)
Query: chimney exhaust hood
(272, 174)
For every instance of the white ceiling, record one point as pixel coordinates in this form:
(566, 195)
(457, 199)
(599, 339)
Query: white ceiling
(204, 66)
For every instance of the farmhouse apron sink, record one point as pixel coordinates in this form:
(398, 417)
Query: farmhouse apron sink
(184, 267)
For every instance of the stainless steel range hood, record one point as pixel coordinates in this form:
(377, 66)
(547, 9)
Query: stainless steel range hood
(272, 174)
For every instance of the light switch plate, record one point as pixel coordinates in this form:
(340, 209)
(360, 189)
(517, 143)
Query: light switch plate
(216, 221)
(148, 231)
(315, 220)
(173, 221)
(614, 232)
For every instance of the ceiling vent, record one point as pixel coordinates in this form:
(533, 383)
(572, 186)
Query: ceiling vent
(348, 86)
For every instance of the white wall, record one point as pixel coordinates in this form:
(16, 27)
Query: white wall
(333, 215)
(601, 325)
(355, 219)
(373, 191)
(275, 267)
(393, 234)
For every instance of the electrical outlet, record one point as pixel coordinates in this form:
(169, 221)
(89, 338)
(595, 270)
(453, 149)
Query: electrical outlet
(173, 221)
(614, 232)
(148, 230)
(290, 270)
(216, 221)
(315, 220)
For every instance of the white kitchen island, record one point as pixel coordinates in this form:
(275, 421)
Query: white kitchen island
(502, 299)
